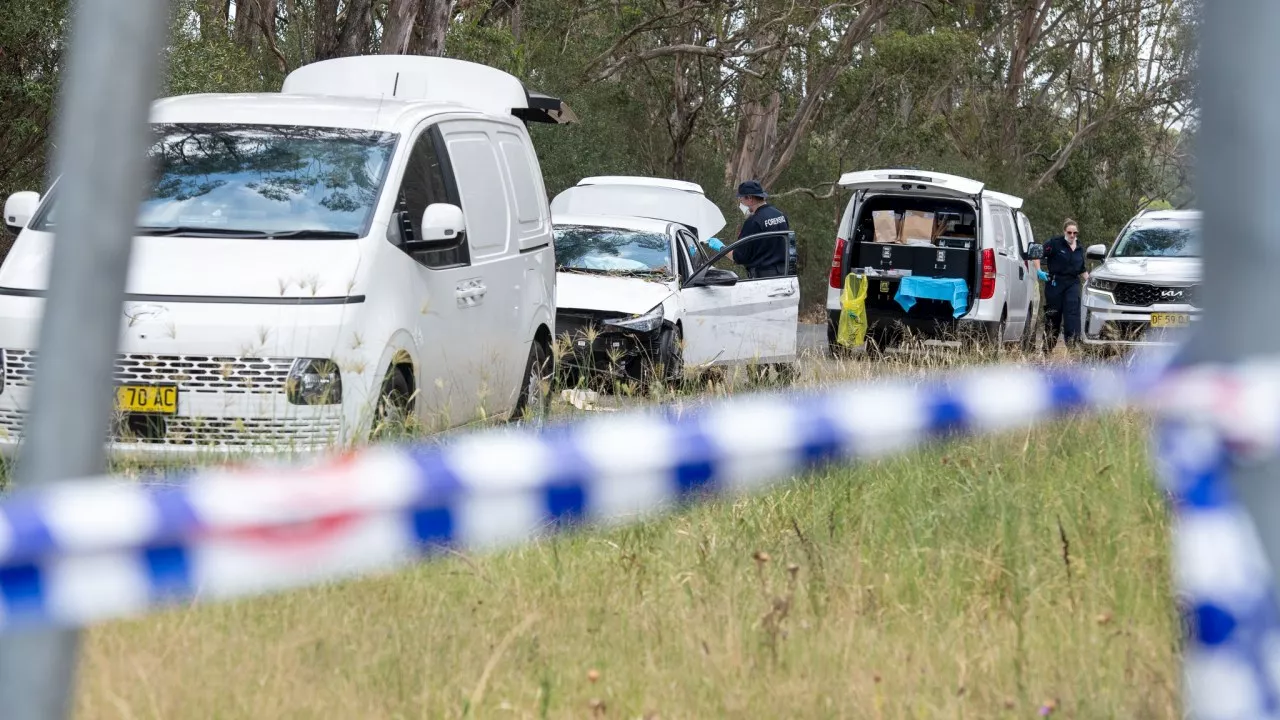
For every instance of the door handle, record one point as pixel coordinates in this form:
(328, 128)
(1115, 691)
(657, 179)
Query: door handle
(783, 293)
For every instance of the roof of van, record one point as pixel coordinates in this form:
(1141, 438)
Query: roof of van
(645, 181)
(304, 110)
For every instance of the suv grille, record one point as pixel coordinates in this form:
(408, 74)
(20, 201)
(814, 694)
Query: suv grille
(195, 373)
(1143, 295)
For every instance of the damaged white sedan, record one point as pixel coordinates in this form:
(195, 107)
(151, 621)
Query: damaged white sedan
(638, 293)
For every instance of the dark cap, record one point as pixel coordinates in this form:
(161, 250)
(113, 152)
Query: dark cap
(751, 188)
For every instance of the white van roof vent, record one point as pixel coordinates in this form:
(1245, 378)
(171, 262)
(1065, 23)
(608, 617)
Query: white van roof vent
(415, 77)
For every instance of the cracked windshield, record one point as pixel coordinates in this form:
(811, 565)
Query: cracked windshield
(596, 249)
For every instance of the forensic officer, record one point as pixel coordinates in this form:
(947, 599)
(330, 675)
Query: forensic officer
(766, 257)
(1063, 264)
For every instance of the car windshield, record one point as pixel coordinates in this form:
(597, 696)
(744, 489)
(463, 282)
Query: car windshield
(616, 250)
(259, 181)
(1167, 239)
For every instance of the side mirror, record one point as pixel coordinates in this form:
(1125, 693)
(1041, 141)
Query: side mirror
(714, 277)
(19, 209)
(1035, 251)
(442, 222)
(1096, 252)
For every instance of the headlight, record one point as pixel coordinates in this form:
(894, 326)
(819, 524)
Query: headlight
(314, 381)
(645, 323)
(1103, 285)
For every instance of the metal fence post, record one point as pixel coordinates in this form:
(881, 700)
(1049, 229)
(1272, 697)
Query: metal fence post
(111, 77)
(1238, 159)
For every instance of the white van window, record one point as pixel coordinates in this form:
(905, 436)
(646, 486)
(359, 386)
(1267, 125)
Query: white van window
(259, 181)
(483, 191)
(528, 209)
(1010, 232)
(428, 179)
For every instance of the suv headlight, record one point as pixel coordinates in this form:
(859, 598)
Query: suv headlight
(645, 323)
(1103, 285)
(314, 381)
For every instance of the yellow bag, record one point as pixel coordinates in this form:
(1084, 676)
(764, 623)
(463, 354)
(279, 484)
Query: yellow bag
(852, 330)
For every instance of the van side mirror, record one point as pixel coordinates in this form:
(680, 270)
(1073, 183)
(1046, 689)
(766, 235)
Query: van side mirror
(443, 228)
(1035, 251)
(1096, 252)
(19, 209)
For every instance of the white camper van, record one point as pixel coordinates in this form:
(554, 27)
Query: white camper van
(373, 240)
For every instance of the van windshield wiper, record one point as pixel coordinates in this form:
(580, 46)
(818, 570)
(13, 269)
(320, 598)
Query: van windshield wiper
(197, 231)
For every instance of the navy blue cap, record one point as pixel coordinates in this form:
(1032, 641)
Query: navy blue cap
(751, 188)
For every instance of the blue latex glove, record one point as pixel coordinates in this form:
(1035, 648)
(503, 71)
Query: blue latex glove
(1044, 276)
(715, 244)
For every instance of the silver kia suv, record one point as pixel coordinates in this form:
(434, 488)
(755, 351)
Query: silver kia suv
(1147, 286)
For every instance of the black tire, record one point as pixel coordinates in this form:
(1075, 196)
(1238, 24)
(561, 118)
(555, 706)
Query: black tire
(1030, 331)
(668, 366)
(534, 403)
(395, 403)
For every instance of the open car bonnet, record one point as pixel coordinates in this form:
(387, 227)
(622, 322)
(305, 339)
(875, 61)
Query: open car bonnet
(643, 197)
(609, 293)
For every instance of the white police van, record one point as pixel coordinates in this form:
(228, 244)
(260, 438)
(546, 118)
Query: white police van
(373, 240)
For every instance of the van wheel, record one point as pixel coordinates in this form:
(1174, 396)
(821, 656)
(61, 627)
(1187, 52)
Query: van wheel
(395, 403)
(670, 361)
(535, 390)
(1030, 331)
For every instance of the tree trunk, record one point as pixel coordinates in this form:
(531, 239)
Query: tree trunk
(326, 29)
(246, 31)
(397, 28)
(432, 27)
(213, 19)
(358, 28)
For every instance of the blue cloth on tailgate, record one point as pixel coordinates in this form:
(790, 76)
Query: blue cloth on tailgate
(954, 290)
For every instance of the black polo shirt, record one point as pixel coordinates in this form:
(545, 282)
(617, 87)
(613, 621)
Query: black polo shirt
(1060, 259)
(767, 252)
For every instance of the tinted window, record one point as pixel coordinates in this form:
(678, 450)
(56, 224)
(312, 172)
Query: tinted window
(261, 178)
(1167, 239)
(427, 180)
(603, 249)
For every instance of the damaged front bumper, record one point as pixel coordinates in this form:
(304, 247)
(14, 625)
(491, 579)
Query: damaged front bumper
(588, 343)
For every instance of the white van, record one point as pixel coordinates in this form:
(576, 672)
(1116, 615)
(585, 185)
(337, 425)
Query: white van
(637, 289)
(373, 240)
(981, 242)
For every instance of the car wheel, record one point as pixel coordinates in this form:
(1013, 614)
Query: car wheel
(395, 404)
(534, 403)
(670, 361)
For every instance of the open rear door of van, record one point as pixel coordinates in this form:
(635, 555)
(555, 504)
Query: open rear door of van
(668, 200)
(909, 182)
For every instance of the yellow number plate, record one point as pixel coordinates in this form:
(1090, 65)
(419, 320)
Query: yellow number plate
(1162, 320)
(884, 286)
(154, 399)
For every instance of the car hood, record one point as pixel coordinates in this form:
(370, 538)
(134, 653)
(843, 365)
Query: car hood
(610, 293)
(1152, 269)
(209, 267)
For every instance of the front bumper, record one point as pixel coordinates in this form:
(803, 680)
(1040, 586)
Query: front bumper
(1107, 323)
(587, 345)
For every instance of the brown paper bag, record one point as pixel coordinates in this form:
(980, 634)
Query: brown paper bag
(917, 226)
(886, 222)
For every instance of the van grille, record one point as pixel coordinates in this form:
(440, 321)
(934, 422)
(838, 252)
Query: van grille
(273, 433)
(1143, 295)
(194, 373)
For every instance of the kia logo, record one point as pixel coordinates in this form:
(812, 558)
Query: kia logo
(1171, 293)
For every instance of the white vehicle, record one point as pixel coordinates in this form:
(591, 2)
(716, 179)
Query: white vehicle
(636, 288)
(374, 240)
(981, 237)
(1146, 288)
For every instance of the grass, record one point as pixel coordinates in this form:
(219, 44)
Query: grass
(979, 579)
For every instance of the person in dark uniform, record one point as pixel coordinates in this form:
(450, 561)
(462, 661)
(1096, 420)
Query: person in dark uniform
(766, 257)
(1063, 262)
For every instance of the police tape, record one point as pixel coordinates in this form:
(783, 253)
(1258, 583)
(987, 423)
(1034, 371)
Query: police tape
(85, 551)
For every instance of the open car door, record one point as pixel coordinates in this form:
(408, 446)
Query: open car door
(731, 320)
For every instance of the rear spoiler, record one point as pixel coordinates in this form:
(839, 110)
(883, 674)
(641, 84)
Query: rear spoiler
(545, 109)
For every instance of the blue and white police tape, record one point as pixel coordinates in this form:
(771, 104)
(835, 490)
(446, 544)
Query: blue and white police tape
(91, 550)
